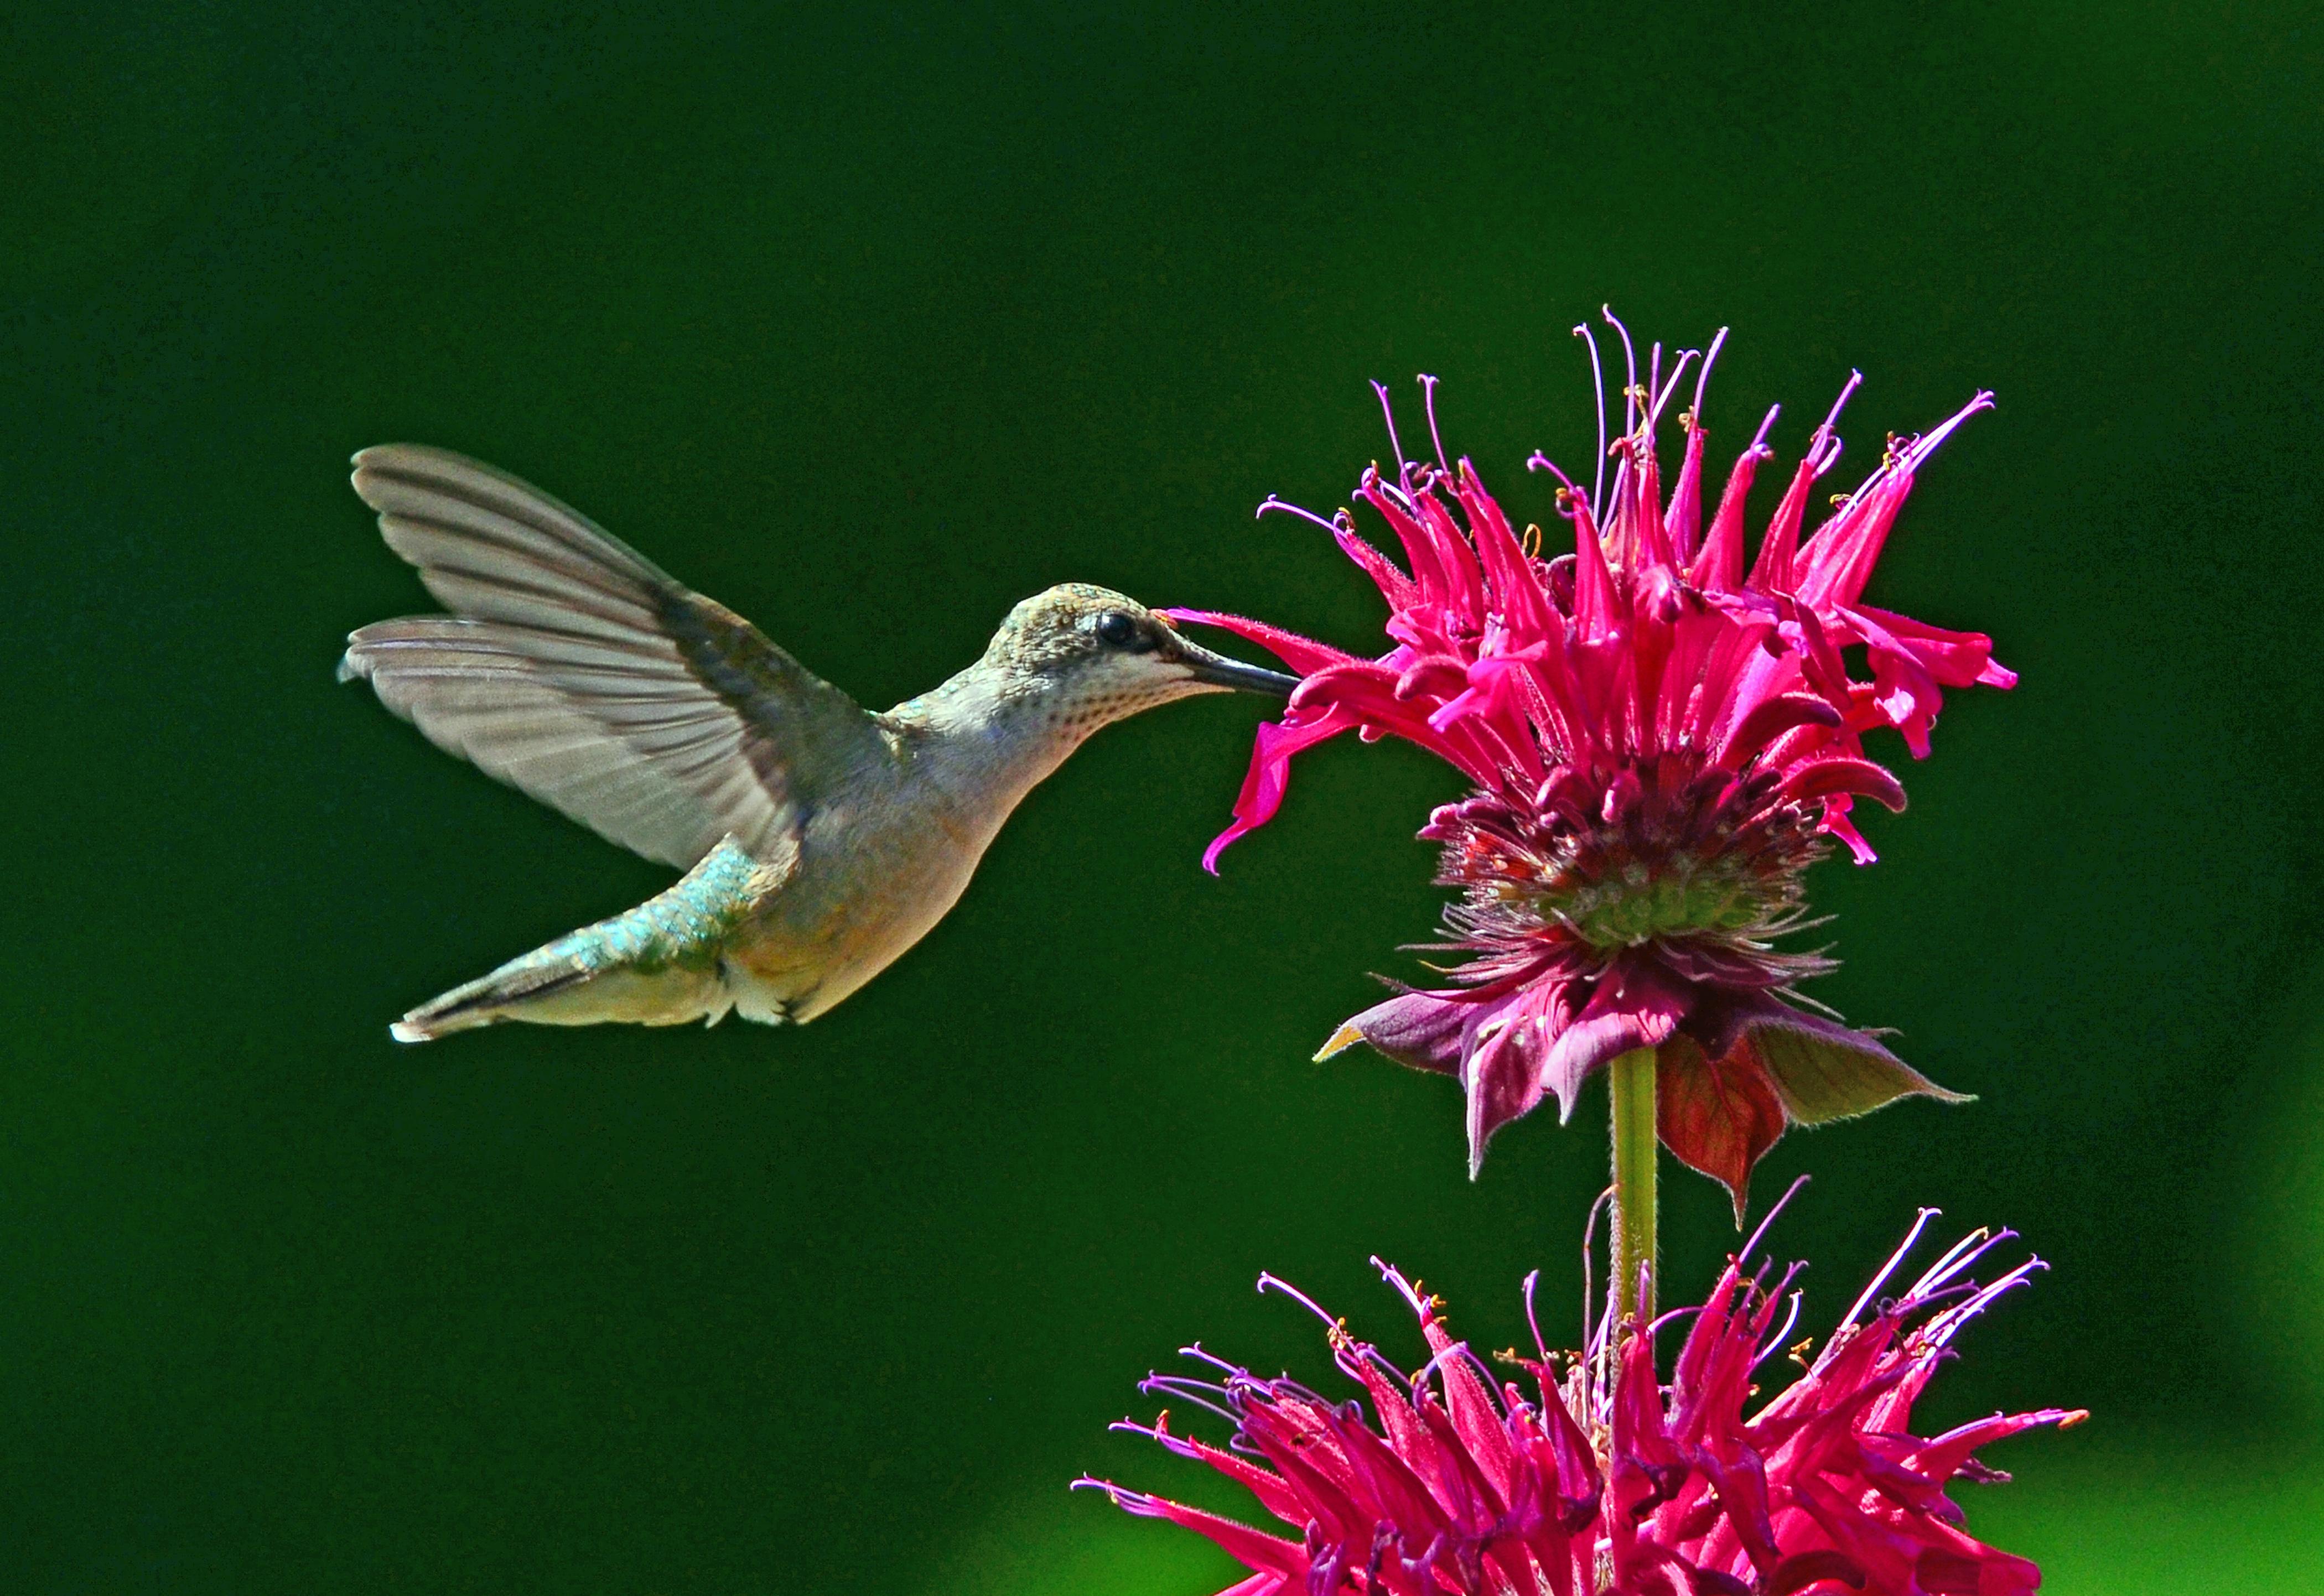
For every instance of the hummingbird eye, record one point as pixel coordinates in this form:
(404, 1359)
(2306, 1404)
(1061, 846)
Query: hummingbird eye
(1117, 630)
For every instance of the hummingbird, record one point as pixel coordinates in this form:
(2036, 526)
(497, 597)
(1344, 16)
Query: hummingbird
(818, 840)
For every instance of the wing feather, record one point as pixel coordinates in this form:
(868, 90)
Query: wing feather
(576, 669)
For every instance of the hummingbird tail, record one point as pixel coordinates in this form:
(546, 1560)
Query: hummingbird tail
(661, 964)
(504, 994)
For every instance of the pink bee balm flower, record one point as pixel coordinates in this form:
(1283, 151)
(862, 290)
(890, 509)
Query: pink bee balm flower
(1606, 1480)
(1660, 738)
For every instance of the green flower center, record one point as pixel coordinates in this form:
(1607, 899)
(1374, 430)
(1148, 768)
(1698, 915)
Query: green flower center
(1671, 897)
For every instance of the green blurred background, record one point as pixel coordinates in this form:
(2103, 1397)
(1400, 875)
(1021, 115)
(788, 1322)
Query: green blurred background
(871, 322)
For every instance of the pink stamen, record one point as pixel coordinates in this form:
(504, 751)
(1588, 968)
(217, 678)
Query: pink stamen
(1896, 1259)
(1288, 508)
(1630, 370)
(1589, 1240)
(1663, 395)
(1532, 1320)
(1775, 1342)
(1948, 1325)
(1759, 1235)
(1598, 391)
(1962, 1255)
(1823, 437)
(1428, 403)
(1127, 1500)
(1177, 1444)
(1454, 1352)
(1267, 1283)
(1187, 1390)
(1702, 377)
(1598, 1338)
(1541, 461)
(1388, 414)
(1760, 439)
(1925, 446)
(1673, 1317)
(1412, 1299)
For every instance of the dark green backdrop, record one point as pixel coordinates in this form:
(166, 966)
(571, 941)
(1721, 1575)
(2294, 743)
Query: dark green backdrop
(871, 324)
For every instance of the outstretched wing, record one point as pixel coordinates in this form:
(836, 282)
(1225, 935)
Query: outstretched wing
(576, 669)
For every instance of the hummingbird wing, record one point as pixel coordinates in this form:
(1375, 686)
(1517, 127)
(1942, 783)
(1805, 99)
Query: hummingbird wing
(576, 669)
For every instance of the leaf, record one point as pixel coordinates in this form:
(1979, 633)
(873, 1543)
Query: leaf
(1824, 1071)
(1717, 1116)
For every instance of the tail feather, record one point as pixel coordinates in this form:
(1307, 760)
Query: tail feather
(501, 995)
(659, 964)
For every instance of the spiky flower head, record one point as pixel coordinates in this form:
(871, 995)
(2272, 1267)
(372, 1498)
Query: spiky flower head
(1660, 739)
(1602, 1480)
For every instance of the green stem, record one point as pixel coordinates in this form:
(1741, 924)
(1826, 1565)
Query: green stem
(1632, 1077)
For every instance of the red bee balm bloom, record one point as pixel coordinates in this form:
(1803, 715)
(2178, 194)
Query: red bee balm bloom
(1660, 741)
(1608, 1482)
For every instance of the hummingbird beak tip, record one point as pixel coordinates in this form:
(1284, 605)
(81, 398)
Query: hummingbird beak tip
(1216, 671)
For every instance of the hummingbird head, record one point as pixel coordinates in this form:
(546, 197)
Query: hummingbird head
(1090, 656)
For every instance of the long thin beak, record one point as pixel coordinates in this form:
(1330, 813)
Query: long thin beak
(1219, 671)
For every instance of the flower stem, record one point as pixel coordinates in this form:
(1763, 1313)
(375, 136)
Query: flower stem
(1632, 1078)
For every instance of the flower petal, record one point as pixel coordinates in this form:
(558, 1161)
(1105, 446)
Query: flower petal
(1803, 1569)
(1254, 1549)
(1503, 1081)
(1264, 783)
(1635, 1006)
(1857, 777)
(1956, 659)
(1302, 654)
(1416, 1029)
(1770, 719)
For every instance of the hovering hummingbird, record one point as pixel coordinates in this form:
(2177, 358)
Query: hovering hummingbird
(819, 840)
